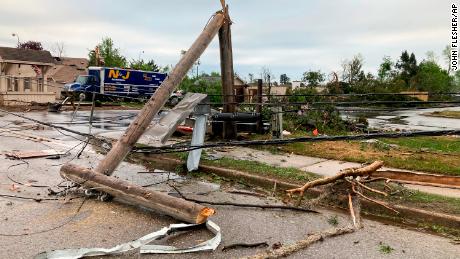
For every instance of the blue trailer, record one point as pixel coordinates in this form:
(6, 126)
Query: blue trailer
(115, 82)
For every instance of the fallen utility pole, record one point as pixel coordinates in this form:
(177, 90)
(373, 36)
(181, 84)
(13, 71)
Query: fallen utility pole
(178, 208)
(226, 68)
(158, 100)
(100, 177)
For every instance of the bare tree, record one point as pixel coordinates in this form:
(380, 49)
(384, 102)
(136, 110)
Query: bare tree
(266, 75)
(431, 56)
(447, 57)
(58, 49)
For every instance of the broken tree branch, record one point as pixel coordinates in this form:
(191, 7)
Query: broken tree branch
(366, 170)
(371, 189)
(311, 239)
(178, 208)
(354, 204)
(383, 204)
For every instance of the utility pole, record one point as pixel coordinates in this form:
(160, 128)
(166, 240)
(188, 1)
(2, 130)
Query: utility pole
(159, 98)
(226, 67)
(17, 36)
(269, 89)
(259, 105)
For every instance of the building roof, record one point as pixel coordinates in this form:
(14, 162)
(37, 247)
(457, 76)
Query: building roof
(67, 69)
(80, 63)
(15, 55)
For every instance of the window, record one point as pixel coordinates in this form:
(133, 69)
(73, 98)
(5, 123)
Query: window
(27, 83)
(16, 84)
(40, 85)
(9, 84)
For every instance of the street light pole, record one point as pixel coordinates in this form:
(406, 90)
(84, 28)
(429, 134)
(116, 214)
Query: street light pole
(17, 36)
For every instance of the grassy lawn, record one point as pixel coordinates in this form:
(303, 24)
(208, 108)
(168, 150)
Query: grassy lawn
(429, 154)
(444, 114)
(437, 144)
(288, 174)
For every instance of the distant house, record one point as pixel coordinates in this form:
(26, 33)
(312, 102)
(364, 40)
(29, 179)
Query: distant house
(298, 84)
(23, 76)
(251, 91)
(239, 89)
(66, 71)
(239, 85)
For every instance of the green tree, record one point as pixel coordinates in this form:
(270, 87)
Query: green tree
(34, 45)
(432, 78)
(456, 81)
(386, 69)
(110, 55)
(147, 66)
(407, 66)
(200, 85)
(284, 79)
(313, 78)
(352, 70)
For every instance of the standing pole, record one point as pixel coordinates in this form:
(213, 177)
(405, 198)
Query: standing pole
(259, 105)
(158, 100)
(226, 68)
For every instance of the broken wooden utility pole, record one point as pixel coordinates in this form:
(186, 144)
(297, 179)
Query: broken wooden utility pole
(100, 179)
(158, 100)
(178, 208)
(259, 105)
(226, 68)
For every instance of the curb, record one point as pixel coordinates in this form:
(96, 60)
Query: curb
(407, 215)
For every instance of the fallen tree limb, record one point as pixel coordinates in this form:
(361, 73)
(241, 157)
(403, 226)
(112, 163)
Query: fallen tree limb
(354, 205)
(302, 244)
(244, 245)
(381, 203)
(366, 170)
(178, 208)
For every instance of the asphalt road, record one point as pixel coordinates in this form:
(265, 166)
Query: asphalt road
(59, 225)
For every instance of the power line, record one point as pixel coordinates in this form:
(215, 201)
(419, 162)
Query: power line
(185, 148)
(52, 125)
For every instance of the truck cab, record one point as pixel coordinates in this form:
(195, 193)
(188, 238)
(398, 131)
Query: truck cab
(85, 84)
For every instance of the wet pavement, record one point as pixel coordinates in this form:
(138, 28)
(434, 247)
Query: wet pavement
(410, 120)
(28, 227)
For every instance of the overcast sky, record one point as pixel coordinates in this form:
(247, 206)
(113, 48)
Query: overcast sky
(288, 36)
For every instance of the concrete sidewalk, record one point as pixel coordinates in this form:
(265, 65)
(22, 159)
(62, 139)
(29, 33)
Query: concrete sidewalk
(319, 166)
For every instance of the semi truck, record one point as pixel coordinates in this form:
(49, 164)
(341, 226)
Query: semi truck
(115, 82)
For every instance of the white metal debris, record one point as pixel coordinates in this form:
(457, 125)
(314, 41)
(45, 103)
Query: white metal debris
(141, 243)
